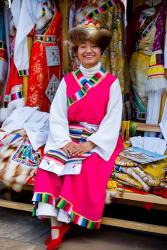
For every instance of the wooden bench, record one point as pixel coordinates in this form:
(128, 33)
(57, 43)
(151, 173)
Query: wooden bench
(132, 199)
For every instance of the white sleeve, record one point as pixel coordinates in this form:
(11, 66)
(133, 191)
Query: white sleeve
(107, 135)
(58, 124)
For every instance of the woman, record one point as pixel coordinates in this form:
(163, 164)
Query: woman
(83, 142)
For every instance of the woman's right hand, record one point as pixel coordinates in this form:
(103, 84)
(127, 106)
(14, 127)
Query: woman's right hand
(70, 148)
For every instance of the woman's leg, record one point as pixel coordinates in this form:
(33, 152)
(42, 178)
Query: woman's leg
(55, 231)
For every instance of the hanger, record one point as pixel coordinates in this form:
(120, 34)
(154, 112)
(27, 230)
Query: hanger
(153, 3)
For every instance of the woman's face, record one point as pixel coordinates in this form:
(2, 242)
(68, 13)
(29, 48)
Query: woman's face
(88, 54)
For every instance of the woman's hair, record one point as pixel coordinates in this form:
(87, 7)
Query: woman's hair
(101, 38)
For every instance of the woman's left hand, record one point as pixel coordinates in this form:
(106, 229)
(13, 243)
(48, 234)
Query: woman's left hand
(84, 147)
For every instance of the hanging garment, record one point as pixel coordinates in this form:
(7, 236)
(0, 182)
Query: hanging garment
(45, 64)
(25, 15)
(146, 64)
(100, 105)
(3, 54)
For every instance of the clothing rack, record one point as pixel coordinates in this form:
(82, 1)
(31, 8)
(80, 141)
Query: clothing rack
(121, 198)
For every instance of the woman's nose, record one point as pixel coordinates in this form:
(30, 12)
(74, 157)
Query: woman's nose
(88, 49)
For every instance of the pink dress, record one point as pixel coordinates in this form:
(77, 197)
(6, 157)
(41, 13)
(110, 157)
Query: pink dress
(82, 196)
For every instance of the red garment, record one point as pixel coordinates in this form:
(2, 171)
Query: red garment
(39, 73)
(14, 86)
(160, 191)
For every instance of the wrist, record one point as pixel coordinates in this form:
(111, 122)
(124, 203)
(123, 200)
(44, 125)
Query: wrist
(92, 145)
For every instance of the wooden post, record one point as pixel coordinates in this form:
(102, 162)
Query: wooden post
(64, 8)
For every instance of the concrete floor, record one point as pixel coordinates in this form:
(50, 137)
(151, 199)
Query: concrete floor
(20, 231)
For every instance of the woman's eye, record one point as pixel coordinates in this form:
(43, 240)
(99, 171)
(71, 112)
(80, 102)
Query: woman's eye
(94, 46)
(82, 47)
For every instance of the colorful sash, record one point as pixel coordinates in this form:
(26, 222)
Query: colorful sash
(58, 162)
(86, 84)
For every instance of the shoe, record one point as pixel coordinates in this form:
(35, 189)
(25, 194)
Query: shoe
(48, 239)
(55, 243)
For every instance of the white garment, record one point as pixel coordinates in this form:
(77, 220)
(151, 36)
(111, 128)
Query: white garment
(35, 123)
(25, 14)
(163, 123)
(153, 109)
(107, 135)
(47, 210)
(164, 115)
(148, 142)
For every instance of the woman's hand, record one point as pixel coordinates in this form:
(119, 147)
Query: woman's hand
(70, 148)
(84, 147)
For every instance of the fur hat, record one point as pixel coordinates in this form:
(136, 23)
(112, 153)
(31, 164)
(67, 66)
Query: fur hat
(89, 32)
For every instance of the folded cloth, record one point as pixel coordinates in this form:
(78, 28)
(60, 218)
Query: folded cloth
(33, 121)
(163, 126)
(148, 142)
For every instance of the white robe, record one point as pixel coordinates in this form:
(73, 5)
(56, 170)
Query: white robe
(25, 14)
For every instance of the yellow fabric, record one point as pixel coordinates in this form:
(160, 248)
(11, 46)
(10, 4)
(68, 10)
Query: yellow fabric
(156, 169)
(155, 70)
(112, 185)
(25, 78)
(25, 86)
(123, 161)
(125, 126)
(128, 180)
(163, 100)
(138, 68)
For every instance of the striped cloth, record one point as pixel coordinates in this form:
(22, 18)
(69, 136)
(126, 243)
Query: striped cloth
(58, 162)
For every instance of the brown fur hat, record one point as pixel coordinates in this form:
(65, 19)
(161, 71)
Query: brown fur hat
(77, 35)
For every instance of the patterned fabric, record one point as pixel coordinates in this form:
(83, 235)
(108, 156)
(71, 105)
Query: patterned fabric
(18, 163)
(26, 155)
(41, 70)
(145, 176)
(86, 84)
(104, 7)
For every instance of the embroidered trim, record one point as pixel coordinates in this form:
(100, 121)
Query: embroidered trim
(85, 84)
(79, 133)
(57, 160)
(2, 45)
(16, 93)
(23, 72)
(99, 10)
(45, 38)
(42, 197)
(77, 218)
(66, 206)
